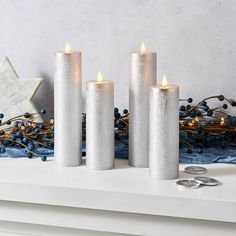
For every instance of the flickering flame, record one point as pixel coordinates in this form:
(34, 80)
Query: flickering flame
(164, 82)
(67, 48)
(143, 48)
(100, 77)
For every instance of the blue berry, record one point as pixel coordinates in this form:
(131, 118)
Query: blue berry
(210, 113)
(41, 126)
(8, 122)
(83, 154)
(206, 108)
(116, 110)
(198, 113)
(18, 134)
(221, 97)
(43, 158)
(125, 111)
(188, 107)
(182, 108)
(225, 106)
(190, 100)
(29, 155)
(43, 111)
(37, 130)
(16, 123)
(233, 103)
(26, 115)
(203, 103)
(1, 115)
(31, 146)
(14, 138)
(21, 124)
(25, 140)
(117, 115)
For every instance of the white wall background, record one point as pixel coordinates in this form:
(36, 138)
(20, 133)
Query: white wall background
(195, 41)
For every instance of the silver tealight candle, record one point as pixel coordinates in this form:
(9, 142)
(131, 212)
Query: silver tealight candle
(100, 124)
(68, 108)
(142, 76)
(164, 131)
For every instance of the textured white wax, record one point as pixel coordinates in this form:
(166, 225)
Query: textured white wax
(68, 109)
(164, 132)
(100, 125)
(142, 76)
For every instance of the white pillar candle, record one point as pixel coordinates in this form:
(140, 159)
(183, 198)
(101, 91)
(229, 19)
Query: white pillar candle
(68, 108)
(164, 131)
(100, 124)
(142, 76)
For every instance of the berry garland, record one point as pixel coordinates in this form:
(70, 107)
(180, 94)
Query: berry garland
(23, 133)
(200, 127)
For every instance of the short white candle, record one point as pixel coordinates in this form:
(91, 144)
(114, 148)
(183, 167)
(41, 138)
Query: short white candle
(164, 131)
(142, 76)
(100, 124)
(68, 108)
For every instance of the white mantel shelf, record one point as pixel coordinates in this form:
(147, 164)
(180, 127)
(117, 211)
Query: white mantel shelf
(122, 190)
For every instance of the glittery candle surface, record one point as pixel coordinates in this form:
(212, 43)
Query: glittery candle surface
(100, 125)
(164, 132)
(68, 109)
(142, 76)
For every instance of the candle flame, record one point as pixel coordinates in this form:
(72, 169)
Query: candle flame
(143, 48)
(164, 82)
(100, 76)
(67, 48)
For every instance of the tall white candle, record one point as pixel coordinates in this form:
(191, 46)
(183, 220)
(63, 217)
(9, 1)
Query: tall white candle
(100, 124)
(164, 131)
(68, 108)
(142, 76)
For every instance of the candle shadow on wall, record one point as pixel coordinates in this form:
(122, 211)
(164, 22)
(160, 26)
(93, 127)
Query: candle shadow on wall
(44, 97)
